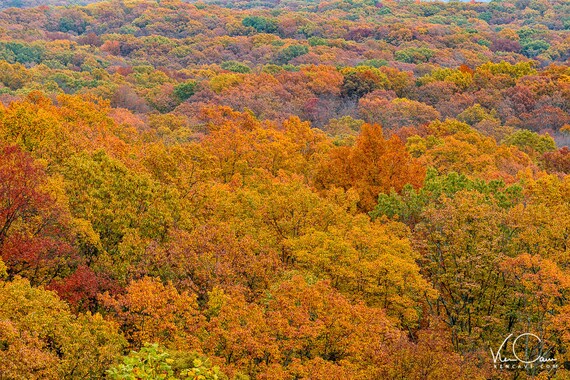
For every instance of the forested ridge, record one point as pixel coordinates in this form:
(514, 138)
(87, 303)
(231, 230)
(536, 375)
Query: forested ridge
(349, 189)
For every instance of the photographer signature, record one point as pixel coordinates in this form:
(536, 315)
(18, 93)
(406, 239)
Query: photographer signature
(498, 358)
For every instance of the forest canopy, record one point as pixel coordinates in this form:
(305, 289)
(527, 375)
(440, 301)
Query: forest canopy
(294, 189)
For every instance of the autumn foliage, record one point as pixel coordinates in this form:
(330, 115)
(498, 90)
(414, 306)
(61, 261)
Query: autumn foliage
(282, 189)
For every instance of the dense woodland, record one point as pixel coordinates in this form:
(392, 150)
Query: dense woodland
(295, 189)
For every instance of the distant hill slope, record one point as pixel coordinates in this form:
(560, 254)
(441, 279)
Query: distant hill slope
(252, 4)
(303, 4)
(34, 3)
